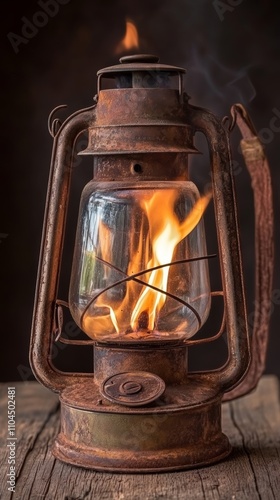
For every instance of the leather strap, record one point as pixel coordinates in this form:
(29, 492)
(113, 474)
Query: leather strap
(258, 168)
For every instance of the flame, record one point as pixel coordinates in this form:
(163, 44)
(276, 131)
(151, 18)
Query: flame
(142, 304)
(166, 232)
(130, 40)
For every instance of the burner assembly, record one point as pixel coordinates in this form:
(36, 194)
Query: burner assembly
(140, 287)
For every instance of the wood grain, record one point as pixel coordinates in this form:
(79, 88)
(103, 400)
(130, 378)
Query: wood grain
(251, 472)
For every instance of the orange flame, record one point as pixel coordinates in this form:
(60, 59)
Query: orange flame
(166, 232)
(130, 40)
(141, 305)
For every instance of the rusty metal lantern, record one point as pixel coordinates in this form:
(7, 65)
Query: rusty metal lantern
(139, 294)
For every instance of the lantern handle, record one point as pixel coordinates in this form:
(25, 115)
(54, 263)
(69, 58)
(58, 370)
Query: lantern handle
(258, 168)
(229, 247)
(65, 137)
(54, 124)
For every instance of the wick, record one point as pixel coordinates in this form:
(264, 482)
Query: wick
(143, 321)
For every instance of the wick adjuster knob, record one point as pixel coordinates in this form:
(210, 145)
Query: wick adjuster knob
(128, 388)
(133, 388)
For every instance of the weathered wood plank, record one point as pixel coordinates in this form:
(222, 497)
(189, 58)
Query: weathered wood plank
(252, 471)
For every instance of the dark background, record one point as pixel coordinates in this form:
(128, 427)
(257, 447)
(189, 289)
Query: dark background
(231, 51)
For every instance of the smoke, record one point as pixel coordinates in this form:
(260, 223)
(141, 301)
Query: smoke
(213, 84)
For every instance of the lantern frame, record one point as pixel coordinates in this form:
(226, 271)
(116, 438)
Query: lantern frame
(187, 426)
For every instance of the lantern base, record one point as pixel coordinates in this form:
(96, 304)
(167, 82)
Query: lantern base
(181, 431)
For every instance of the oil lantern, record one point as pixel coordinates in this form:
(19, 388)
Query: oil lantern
(139, 287)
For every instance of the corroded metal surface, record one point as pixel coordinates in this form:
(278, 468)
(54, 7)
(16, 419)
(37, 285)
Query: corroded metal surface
(178, 429)
(172, 434)
(167, 360)
(133, 120)
(142, 166)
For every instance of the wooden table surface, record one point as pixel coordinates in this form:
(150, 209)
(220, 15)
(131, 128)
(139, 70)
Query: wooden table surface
(251, 472)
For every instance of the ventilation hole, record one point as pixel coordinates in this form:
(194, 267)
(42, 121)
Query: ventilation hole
(137, 168)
